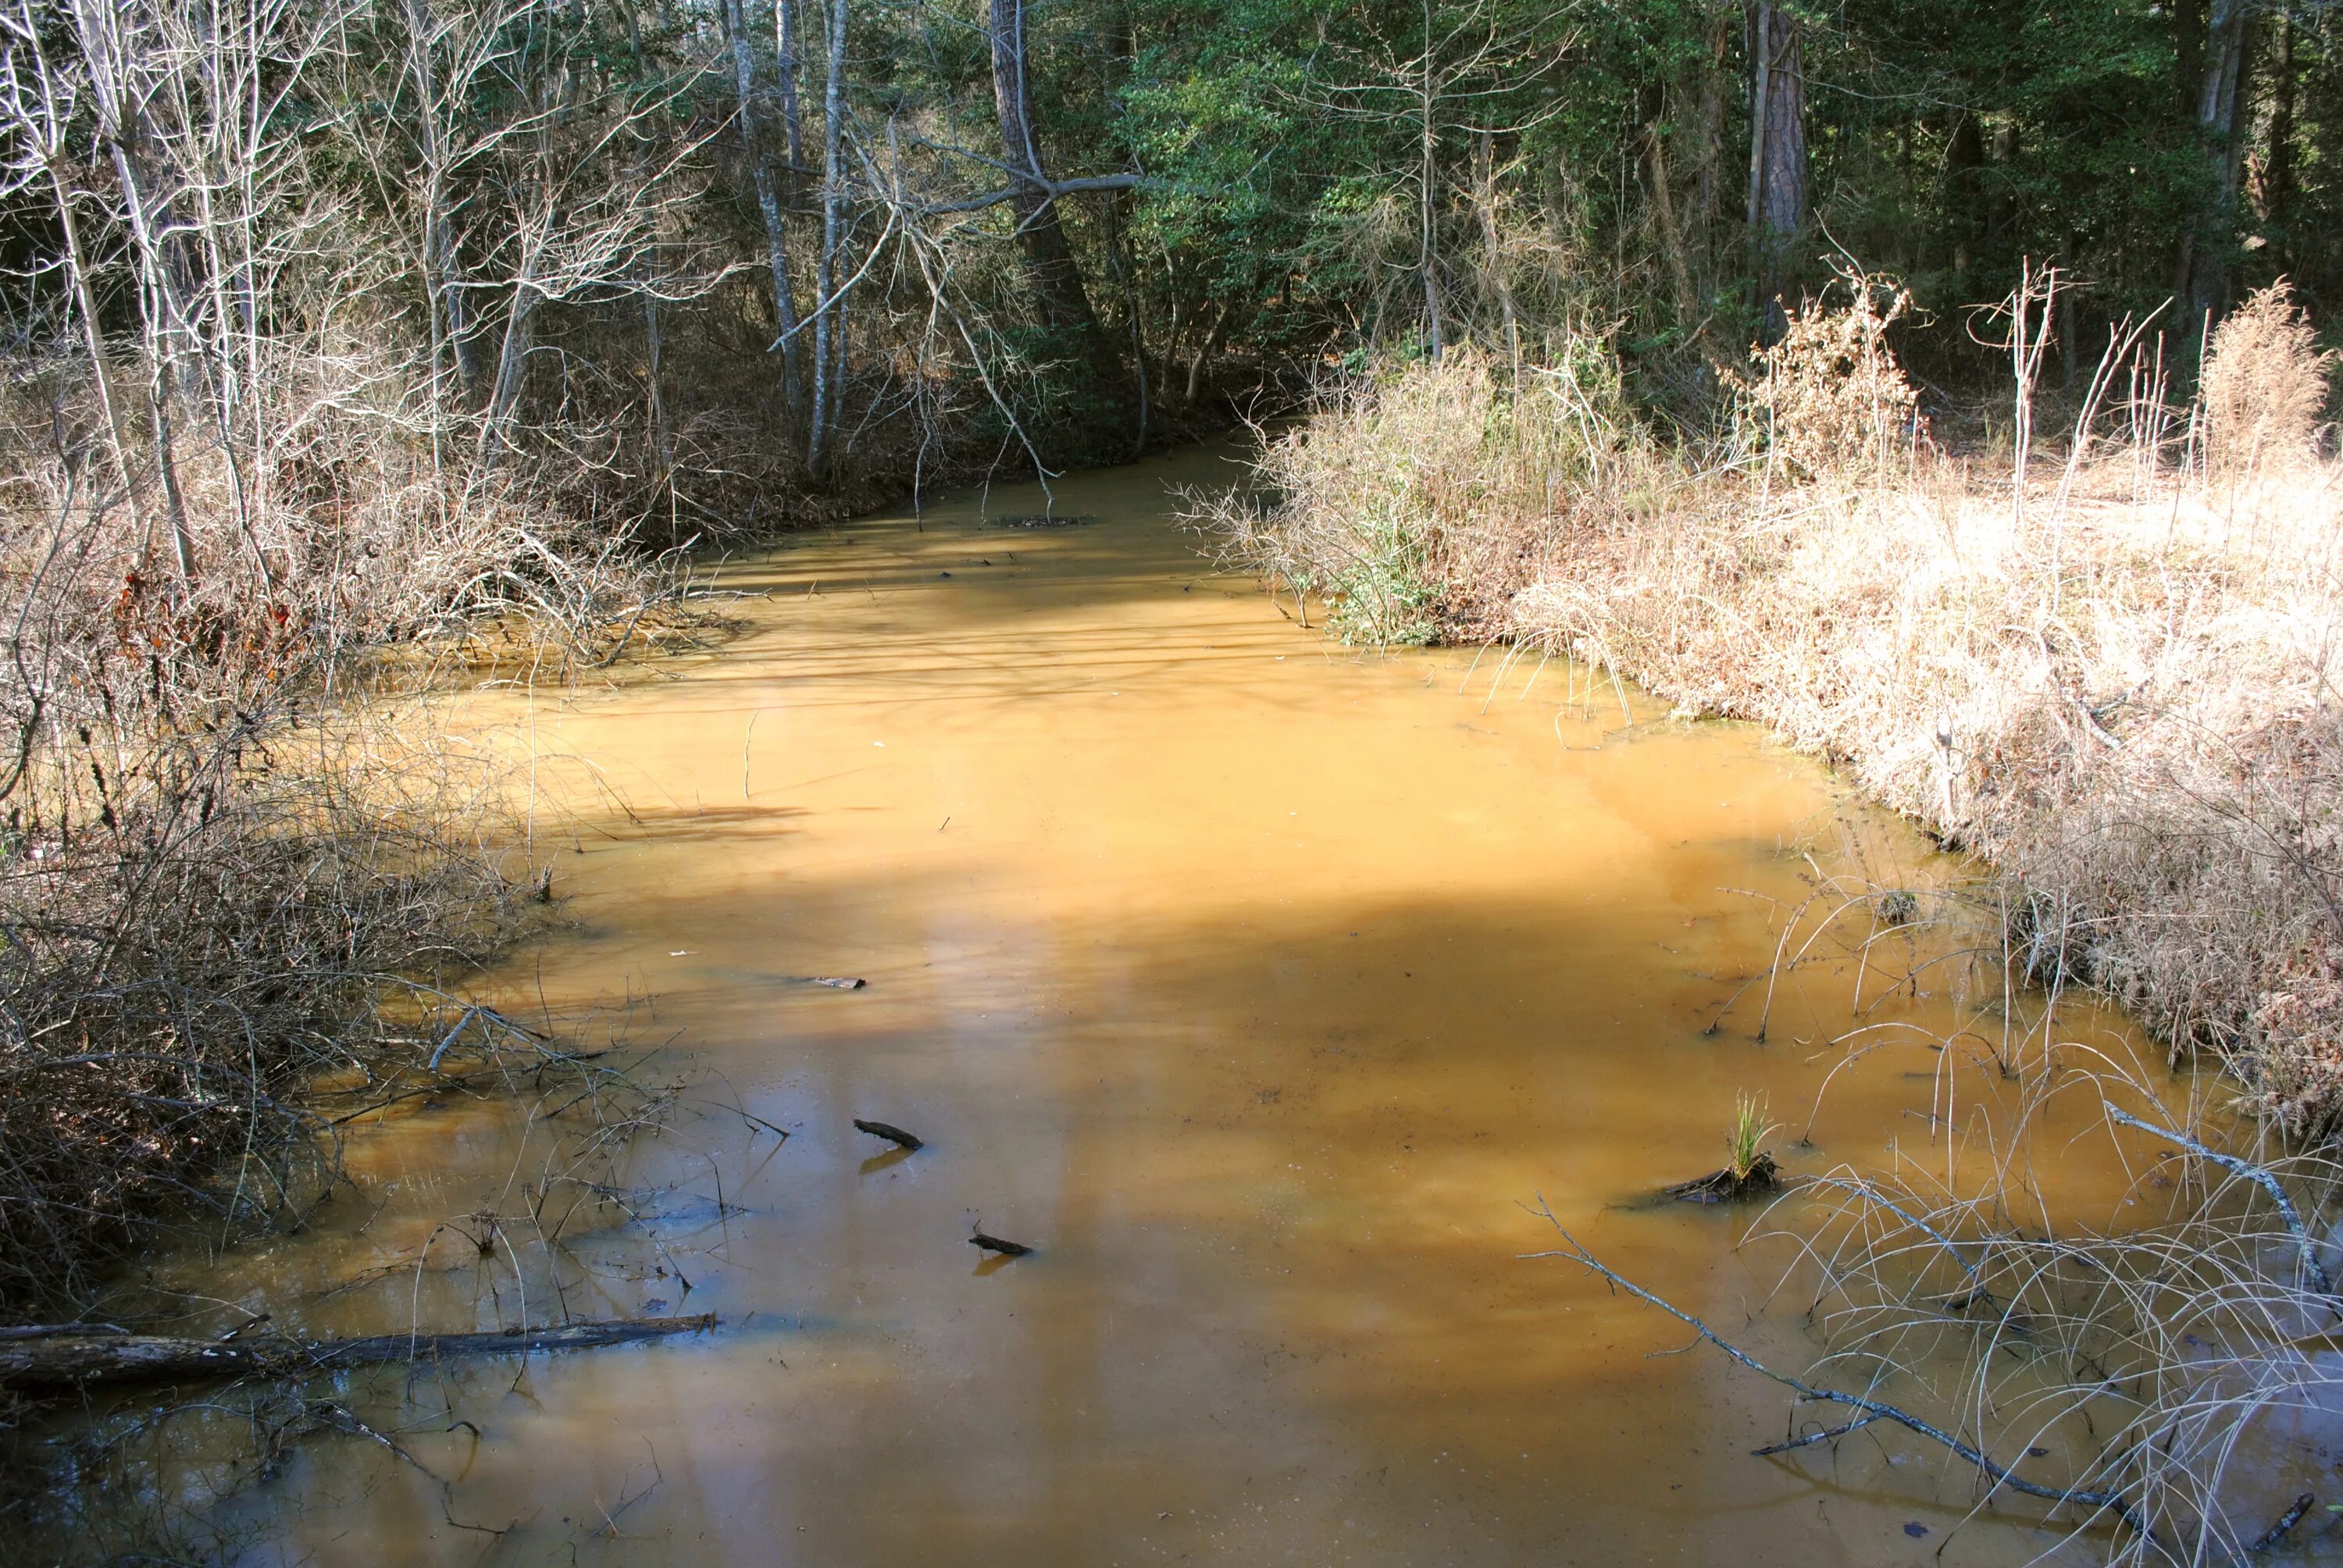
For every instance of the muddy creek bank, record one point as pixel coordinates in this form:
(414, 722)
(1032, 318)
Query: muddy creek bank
(1257, 984)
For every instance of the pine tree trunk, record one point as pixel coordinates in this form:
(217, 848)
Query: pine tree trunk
(1777, 153)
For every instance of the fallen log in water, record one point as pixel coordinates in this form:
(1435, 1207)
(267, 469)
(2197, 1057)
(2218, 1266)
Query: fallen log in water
(76, 1357)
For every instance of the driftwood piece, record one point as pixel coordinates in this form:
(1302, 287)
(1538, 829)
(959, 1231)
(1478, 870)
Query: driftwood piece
(81, 1357)
(891, 1133)
(995, 1244)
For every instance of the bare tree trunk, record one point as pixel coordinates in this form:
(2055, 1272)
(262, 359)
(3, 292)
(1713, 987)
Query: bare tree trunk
(166, 465)
(2220, 122)
(833, 208)
(1493, 259)
(1777, 152)
(1427, 178)
(101, 361)
(1964, 196)
(2189, 52)
(512, 362)
(450, 320)
(776, 257)
(165, 325)
(1126, 265)
(785, 63)
(1122, 54)
(654, 374)
(2274, 181)
(1049, 264)
(654, 338)
(2001, 203)
(1710, 142)
(147, 183)
(1672, 239)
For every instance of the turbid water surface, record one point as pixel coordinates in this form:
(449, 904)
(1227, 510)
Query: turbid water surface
(1263, 986)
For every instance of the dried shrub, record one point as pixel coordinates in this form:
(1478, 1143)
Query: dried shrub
(1829, 396)
(2263, 386)
(190, 941)
(224, 869)
(2299, 1025)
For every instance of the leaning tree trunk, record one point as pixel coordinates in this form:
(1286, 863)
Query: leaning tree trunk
(1049, 259)
(1777, 152)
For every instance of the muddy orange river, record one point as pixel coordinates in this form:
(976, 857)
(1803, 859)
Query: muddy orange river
(1263, 987)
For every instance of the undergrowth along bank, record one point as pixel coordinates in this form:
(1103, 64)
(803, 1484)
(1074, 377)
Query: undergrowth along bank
(2097, 652)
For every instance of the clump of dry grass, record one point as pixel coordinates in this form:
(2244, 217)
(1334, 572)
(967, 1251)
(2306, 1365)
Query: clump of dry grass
(2110, 674)
(2264, 389)
(1417, 502)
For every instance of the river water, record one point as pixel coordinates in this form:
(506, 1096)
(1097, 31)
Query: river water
(1264, 986)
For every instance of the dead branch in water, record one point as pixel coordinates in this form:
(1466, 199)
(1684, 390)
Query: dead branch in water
(2312, 1270)
(2097, 1501)
(79, 1358)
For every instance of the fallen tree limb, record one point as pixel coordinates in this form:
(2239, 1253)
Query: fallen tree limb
(81, 1357)
(2093, 1501)
(2307, 1249)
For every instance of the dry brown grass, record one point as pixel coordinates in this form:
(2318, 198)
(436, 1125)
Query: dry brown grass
(2111, 676)
(2263, 390)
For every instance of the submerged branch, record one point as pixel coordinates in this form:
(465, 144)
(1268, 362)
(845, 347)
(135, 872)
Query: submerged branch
(2097, 1501)
(2312, 1269)
(92, 1355)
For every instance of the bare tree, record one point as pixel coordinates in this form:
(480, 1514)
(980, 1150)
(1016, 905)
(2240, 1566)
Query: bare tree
(768, 201)
(1056, 277)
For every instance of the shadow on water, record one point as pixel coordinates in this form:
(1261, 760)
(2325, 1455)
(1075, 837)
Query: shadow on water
(1261, 987)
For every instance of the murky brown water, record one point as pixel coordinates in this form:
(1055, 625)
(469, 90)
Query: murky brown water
(1258, 983)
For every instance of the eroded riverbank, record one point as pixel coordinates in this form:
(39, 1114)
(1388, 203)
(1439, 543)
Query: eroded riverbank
(1258, 984)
